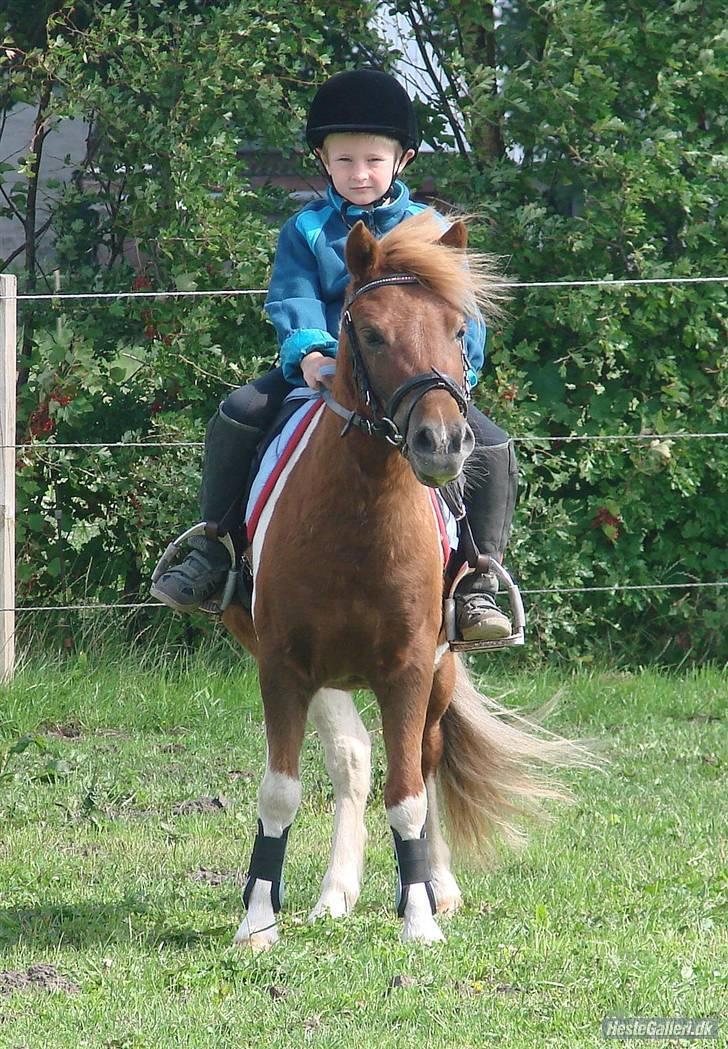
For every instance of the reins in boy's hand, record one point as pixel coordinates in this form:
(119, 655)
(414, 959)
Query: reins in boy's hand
(316, 370)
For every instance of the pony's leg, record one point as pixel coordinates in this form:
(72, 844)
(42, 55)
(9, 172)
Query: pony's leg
(347, 748)
(404, 706)
(447, 891)
(278, 801)
(444, 885)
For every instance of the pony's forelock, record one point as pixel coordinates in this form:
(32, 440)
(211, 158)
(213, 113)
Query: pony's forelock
(468, 280)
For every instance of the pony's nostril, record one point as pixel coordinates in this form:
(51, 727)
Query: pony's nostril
(456, 442)
(425, 440)
(460, 440)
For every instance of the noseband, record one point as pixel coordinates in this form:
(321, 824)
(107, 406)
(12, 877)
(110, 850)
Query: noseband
(382, 423)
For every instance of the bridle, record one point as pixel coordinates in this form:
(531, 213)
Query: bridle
(382, 424)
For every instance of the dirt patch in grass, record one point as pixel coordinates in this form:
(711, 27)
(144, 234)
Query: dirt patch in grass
(36, 978)
(699, 719)
(207, 876)
(205, 804)
(401, 980)
(72, 730)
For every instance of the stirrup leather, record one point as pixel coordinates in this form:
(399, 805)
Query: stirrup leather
(483, 566)
(209, 531)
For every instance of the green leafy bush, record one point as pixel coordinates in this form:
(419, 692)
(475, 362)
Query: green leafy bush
(607, 163)
(595, 153)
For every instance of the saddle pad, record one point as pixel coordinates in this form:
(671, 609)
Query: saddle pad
(280, 450)
(276, 455)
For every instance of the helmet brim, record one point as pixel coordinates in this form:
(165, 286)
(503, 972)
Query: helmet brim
(315, 136)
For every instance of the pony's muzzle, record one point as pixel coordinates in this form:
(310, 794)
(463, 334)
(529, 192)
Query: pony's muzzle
(437, 451)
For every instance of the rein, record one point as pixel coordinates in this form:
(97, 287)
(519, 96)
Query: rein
(382, 423)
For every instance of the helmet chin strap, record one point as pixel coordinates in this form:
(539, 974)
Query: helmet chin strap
(385, 196)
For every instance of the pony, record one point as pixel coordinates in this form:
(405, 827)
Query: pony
(348, 593)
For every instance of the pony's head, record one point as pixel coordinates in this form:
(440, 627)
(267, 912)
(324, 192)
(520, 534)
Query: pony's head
(402, 346)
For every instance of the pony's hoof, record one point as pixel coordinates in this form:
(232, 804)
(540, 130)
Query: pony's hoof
(449, 904)
(332, 904)
(447, 894)
(255, 939)
(422, 930)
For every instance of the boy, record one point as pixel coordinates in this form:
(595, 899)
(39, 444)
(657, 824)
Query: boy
(362, 128)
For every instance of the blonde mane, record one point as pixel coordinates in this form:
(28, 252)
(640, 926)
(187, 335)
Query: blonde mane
(468, 280)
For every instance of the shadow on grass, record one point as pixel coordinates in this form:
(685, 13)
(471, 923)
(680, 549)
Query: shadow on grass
(131, 920)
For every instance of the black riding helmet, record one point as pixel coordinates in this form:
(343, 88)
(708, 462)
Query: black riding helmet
(367, 101)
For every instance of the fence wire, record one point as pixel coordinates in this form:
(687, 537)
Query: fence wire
(527, 439)
(531, 438)
(547, 590)
(59, 297)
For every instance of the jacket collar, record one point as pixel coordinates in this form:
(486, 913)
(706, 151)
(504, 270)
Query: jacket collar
(379, 219)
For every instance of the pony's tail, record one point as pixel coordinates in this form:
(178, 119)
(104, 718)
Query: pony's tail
(493, 769)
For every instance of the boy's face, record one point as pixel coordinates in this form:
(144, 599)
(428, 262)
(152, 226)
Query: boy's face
(362, 167)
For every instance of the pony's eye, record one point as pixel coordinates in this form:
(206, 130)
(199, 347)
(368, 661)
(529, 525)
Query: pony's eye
(373, 338)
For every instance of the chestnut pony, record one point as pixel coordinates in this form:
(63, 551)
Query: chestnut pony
(348, 571)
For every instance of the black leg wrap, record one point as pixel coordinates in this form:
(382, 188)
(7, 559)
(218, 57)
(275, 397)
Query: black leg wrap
(413, 864)
(266, 863)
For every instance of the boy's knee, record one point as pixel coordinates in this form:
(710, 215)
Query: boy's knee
(485, 431)
(257, 403)
(246, 405)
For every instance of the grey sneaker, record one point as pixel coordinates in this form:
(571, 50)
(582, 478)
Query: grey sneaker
(192, 582)
(480, 619)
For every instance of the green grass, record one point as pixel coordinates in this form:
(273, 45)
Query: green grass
(614, 908)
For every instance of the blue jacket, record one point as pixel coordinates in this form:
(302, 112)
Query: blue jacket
(306, 293)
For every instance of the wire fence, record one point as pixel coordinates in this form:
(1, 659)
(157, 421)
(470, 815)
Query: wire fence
(56, 298)
(530, 438)
(610, 588)
(547, 591)
(59, 297)
(603, 282)
(131, 606)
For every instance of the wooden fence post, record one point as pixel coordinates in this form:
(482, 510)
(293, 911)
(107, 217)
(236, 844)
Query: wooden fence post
(8, 365)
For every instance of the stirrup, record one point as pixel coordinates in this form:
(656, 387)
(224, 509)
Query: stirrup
(485, 565)
(209, 531)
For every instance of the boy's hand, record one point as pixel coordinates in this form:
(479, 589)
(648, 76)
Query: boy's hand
(311, 368)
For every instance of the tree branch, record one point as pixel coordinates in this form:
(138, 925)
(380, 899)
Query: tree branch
(13, 255)
(488, 139)
(13, 206)
(40, 132)
(454, 86)
(19, 250)
(441, 93)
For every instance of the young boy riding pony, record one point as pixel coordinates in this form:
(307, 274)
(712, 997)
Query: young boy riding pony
(363, 130)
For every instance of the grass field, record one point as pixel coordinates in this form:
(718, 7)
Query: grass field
(127, 803)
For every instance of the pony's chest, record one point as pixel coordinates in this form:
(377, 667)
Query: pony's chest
(344, 563)
(307, 507)
(364, 547)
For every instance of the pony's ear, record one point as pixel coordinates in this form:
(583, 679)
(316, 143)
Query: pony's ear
(456, 236)
(362, 252)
